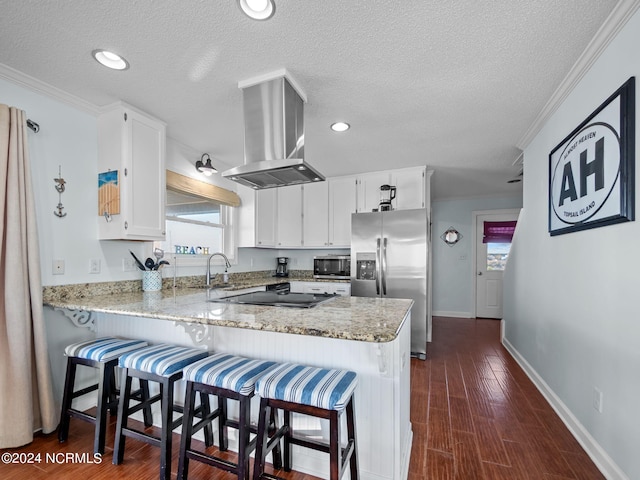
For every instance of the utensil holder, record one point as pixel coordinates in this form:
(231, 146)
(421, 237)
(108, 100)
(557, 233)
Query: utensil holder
(151, 281)
(152, 300)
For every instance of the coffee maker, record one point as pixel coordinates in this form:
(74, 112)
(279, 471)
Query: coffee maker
(282, 270)
(387, 193)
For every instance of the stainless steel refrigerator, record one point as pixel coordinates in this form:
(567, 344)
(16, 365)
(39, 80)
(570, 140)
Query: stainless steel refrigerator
(389, 258)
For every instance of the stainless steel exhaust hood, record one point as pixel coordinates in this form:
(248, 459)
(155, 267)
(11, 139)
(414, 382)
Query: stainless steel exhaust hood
(273, 138)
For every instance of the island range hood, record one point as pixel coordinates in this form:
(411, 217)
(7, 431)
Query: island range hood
(273, 137)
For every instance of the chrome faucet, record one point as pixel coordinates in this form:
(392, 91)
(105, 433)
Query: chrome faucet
(227, 265)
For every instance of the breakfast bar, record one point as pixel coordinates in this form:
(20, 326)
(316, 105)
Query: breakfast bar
(370, 336)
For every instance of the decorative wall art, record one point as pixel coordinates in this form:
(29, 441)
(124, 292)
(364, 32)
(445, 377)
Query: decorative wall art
(592, 171)
(451, 236)
(108, 194)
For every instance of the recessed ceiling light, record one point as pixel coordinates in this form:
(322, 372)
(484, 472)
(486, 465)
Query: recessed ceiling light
(340, 127)
(110, 59)
(258, 9)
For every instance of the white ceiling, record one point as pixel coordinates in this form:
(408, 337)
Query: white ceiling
(450, 84)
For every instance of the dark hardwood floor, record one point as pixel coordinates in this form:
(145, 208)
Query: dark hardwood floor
(476, 415)
(474, 412)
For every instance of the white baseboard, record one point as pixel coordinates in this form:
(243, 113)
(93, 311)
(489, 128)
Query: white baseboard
(603, 461)
(407, 457)
(443, 313)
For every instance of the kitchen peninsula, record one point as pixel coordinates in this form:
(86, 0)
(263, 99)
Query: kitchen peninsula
(367, 335)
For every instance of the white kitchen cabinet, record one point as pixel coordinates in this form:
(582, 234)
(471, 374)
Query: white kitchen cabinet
(315, 214)
(318, 215)
(340, 288)
(368, 192)
(266, 210)
(289, 216)
(342, 203)
(409, 183)
(327, 212)
(133, 144)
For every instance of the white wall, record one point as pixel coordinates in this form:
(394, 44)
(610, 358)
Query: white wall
(571, 308)
(453, 266)
(67, 138)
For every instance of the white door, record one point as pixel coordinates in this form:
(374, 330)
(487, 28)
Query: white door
(490, 262)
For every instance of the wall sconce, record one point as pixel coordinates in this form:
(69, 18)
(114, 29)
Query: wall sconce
(205, 168)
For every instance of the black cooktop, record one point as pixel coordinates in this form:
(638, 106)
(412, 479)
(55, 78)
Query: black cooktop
(274, 299)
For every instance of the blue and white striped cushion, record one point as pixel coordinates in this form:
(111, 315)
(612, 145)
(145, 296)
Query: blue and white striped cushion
(103, 349)
(223, 370)
(319, 387)
(161, 359)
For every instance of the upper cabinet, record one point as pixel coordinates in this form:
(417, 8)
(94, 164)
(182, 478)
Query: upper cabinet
(327, 209)
(409, 183)
(266, 211)
(289, 217)
(315, 214)
(318, 215)
(131, 201)
(368, 190)
(342, 203)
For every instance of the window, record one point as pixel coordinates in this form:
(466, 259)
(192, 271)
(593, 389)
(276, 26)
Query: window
(195, 225)
(497, 254)
(497, 236)
(199, 217)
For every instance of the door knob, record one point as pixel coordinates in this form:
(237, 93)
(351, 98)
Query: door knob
(479, 273)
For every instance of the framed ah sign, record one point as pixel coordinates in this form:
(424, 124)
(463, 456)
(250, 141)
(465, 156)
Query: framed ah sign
(592, 171)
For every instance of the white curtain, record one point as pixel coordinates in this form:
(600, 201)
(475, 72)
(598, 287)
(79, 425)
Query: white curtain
(26, 396)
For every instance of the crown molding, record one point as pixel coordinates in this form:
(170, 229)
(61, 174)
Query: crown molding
(24, 80)
(618, 18)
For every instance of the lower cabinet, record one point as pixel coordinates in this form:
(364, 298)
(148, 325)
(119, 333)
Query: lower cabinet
(341, 288)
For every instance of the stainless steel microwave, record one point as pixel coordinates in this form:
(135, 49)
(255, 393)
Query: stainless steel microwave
(337, 267)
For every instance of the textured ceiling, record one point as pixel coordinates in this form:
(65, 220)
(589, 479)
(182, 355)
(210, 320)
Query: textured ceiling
(450, 84)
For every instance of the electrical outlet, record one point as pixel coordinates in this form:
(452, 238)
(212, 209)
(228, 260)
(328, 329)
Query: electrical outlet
(94, 265)
(57, 267)
(128, 265)
(597, 399)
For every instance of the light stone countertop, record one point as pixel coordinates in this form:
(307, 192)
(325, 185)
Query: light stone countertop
(348, 318)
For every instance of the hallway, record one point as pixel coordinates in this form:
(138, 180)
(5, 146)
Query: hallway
(476, 415)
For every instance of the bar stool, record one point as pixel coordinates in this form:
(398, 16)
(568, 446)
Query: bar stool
(163, 364)
(102, 354)
(319, 392)
(228, 377)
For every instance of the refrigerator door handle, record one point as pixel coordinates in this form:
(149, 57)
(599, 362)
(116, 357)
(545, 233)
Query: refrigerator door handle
(384, 266)
(377, 266)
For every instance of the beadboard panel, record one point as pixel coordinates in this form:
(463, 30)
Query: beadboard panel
(381, 398)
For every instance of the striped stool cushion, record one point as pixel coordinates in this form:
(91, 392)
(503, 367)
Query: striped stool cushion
(103, 349)
(319, 387)
(222, 370)
(161, 359)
